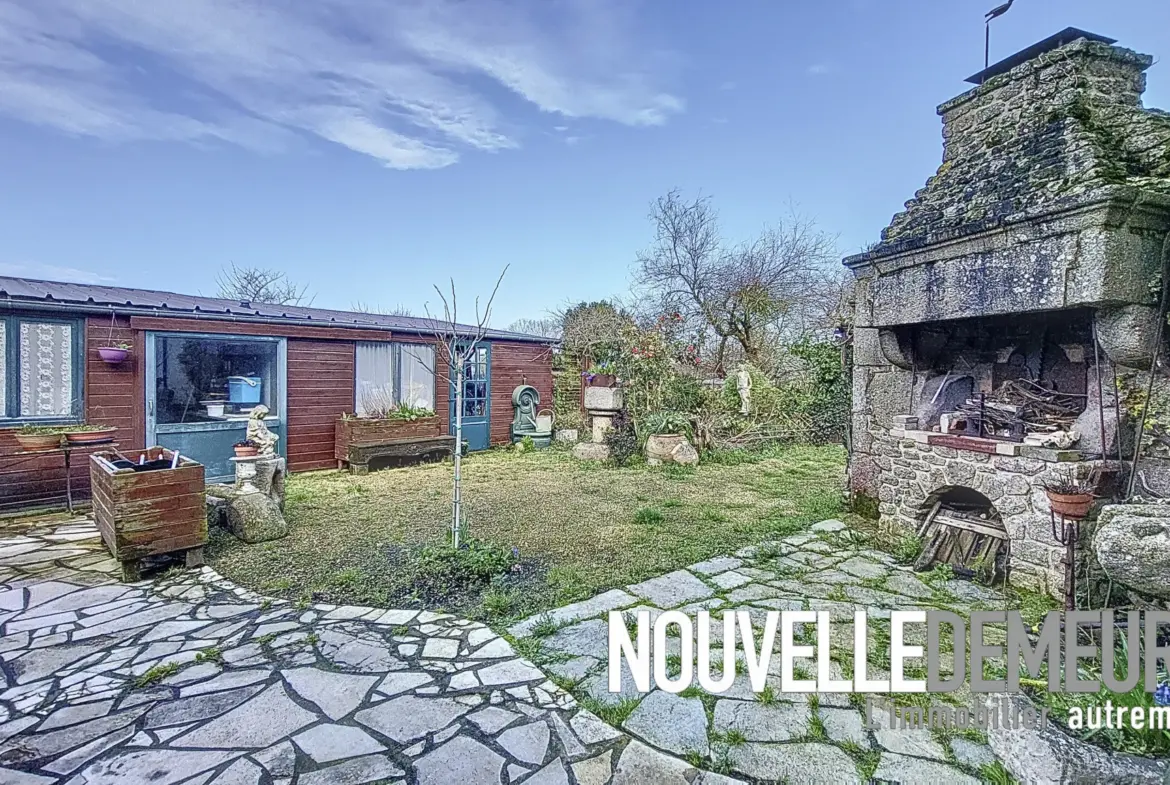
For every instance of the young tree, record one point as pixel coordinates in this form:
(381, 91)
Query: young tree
(456, 346)
(258, 285)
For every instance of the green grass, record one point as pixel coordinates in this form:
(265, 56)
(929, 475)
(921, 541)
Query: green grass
(578, 529)
(613, 713)
(647, 515)
(157, 674)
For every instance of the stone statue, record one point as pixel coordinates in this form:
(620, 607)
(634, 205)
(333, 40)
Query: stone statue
(258, 433)
(743, 383)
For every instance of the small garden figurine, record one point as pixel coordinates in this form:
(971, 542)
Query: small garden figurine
(258, 433)
(743, 383)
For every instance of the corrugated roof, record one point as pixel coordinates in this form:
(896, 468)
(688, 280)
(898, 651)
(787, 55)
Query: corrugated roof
(118, 298)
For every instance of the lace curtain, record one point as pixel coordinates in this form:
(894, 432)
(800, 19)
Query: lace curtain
(46, 369)
(374, 377)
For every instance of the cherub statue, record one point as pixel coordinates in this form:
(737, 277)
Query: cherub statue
(743, 384)
(258, 433)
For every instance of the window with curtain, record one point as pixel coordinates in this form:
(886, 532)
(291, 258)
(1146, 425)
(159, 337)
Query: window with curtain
(40, 369)
(387, 374)
(417, 378)
(374, 378)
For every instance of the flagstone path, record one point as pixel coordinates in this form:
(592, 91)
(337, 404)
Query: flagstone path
(191, 680)
(790, 737)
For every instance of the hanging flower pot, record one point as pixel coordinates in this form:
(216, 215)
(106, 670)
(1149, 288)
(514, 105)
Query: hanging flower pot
(113, 355)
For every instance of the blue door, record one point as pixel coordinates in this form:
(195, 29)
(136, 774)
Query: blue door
(200, 390)
(477, 401)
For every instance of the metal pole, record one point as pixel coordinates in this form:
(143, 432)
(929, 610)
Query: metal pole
(1100, 392)
(986, 44)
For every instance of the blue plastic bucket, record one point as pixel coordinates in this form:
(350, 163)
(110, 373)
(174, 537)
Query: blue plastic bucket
(244, 389)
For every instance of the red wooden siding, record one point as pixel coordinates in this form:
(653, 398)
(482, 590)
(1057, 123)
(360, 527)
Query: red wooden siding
(320, 389)
(514, 364)
(112, 396)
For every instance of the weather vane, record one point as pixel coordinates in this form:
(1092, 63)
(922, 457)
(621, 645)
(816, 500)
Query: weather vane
(997, 11)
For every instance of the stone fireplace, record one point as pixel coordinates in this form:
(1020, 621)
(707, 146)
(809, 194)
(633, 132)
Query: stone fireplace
(999, 307)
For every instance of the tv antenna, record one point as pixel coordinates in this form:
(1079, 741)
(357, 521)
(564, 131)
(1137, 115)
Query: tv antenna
(992, 14)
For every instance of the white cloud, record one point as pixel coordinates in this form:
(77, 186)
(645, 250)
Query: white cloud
(411, 83)
(819, 69)
(51, 272)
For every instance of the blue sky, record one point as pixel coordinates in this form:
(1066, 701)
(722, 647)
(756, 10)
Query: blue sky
(371, 149)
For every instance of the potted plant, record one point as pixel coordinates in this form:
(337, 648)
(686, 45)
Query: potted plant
(88, 434)
(1070, 496)
(246, 449)
(115, 353)
(39, 437)
(601, 374)
(665, 432)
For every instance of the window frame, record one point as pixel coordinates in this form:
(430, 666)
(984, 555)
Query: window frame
(396, 369)
(10, 414)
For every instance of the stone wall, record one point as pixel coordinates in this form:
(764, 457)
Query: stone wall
(914, 474)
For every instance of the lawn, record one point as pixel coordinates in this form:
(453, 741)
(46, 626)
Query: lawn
(577, 528)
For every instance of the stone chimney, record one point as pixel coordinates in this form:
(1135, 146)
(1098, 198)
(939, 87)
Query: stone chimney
(1057, 120)
(1054, 192)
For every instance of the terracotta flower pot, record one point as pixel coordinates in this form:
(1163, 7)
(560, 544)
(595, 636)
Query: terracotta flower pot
(89, 437)
(112, 354)
(1070, 505)
(246, 452)
(38, 441)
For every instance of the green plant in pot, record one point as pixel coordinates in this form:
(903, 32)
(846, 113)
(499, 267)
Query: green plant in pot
(666, 423)
(88, 434)
(39, 437)
(601, 374)
(665, 432)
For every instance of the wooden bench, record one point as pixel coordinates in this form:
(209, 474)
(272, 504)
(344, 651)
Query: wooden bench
(411, 450)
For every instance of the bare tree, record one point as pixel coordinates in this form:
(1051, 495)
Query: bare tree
(259, 285)
(358, 306)
(748, 294)
(546, 328)
(587, 328)
(456, 347)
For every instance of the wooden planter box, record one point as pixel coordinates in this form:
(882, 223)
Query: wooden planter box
(142, 514)
(356, 440)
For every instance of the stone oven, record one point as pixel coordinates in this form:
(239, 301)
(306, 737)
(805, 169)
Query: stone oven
(998, 309)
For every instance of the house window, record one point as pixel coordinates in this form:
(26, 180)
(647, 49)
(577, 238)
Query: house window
(40, 369)
(213, 379)
(387, 374)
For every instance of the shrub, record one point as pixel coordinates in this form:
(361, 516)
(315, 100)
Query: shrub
(622, 439)
(474, 562)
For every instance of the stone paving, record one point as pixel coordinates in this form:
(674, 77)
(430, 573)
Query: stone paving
(781, 736)
(192, 680)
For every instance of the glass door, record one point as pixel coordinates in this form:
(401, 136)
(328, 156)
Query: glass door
(477, 401)
(201, 389)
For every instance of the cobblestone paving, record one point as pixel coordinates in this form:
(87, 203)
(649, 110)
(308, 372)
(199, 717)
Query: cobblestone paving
(792, 737)
(192, 680)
